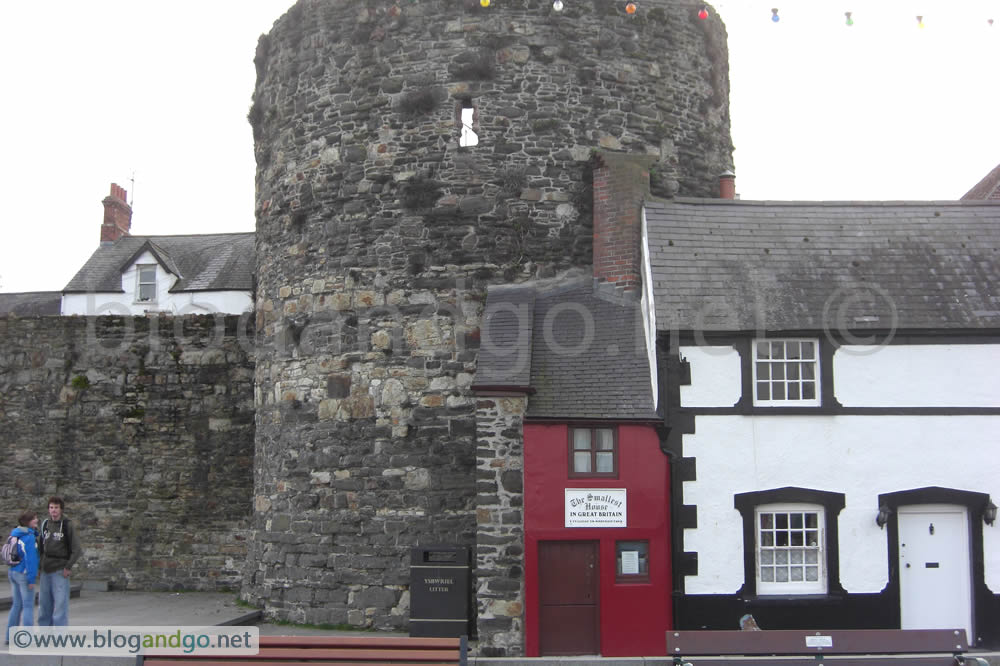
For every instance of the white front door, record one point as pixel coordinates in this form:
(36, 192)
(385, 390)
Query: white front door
(935, 586)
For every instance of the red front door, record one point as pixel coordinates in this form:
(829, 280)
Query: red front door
(569, 621)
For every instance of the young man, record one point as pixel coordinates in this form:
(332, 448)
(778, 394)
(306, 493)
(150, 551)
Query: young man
(59, 550)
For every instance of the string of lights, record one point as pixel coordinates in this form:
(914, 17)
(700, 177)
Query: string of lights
(632, 8)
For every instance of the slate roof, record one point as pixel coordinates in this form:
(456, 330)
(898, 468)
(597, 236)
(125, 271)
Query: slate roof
(723, 265)
(204, 262)
(987, 188)
(30, 303)
(587, 355)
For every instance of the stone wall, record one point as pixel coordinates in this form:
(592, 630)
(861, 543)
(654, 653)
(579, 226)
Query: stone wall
(145, 426)
(377, 235)
(500, 521)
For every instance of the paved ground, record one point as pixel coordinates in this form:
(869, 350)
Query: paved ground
(97, 608)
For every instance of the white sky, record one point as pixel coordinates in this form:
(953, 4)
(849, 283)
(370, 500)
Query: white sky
(96, 91)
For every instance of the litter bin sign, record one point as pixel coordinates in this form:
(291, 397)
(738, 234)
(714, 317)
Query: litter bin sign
(439, 591)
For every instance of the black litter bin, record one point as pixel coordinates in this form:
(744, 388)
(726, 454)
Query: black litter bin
(439, 591)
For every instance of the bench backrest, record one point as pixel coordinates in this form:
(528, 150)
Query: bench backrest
(799, 642)
(336, 649)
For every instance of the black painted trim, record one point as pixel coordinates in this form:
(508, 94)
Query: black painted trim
(838, 410)
(832, 503)
(984, 602)
(901, 337)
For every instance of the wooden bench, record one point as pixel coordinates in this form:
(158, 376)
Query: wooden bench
(337, 650)
(842, 647)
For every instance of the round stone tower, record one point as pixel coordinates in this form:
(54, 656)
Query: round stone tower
(409, 154)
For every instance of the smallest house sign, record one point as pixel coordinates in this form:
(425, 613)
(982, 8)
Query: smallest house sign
(595, 507)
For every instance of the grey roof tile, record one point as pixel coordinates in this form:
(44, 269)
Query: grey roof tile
(745, 265)
(204, 262)
(30, 303)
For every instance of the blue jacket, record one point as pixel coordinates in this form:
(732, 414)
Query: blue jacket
(29, 556)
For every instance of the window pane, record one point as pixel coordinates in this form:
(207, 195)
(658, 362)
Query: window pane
(797, 539)
(767, 557)
(796, 574)
(767, 539)
(781, 575)
(605, 463)
(581, 438)
(763, 350)
(792, 350)
(812, 520)
(808, 371)
(581, 462)
(781, 538)
(793, 391)
(796, 557)
(605, 439)
(781, 556)
(778, 392)
(777, 350)
(808, 350)
(812, 573)
(808, 390)
(796, 521)
(767, 520)
(812, 538)
(763, 371)
(763, 391)
(792, 370)
(781, 521)
(778, 371)
(812, 557)
(767, 574)
(147, 292)
(147, 273)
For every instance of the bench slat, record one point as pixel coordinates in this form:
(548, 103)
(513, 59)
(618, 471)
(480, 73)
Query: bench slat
(828, 660)
(793, 642)
(216, 661)
(389, 642)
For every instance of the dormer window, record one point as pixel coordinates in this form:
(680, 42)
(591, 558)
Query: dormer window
(145, 289)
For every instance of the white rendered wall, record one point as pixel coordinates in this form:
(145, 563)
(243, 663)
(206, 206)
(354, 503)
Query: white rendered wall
(715, 377)
(195, 302)
(859, 456)
(917, 376)
(648, 311)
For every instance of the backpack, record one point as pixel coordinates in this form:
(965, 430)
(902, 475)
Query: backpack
(11, 551)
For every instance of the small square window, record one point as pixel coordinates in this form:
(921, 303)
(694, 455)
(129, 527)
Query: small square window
(593, 452)
(632, 561)
(786, 373)
(789, 549)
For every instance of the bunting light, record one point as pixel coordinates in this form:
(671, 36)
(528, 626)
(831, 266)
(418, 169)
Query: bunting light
(920, 22)
(630, 8)
(703, 14)
(774, 15)
(849, 22)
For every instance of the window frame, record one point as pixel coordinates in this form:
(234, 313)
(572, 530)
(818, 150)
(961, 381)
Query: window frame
(139, 283)
(790, 587)
(642, 576)
(573, 474)
(816, 401)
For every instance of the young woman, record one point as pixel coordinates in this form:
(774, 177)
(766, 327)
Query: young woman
(22, 575)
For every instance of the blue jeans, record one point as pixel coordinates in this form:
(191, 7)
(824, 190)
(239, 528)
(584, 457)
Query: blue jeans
(22, 601)
(53, 599)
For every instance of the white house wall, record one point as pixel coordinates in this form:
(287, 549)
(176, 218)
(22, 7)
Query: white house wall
(919, 375)
(180, 303)
(715, 376)
(859, 456)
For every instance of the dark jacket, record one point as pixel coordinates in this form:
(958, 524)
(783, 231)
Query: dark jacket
(60, 545)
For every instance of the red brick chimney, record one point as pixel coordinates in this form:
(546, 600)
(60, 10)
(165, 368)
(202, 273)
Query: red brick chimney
(117, 215)
(621, 182)
(727, 185)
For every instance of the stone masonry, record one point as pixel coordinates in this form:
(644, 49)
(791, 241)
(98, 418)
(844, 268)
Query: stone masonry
(377, 234)
(145, 427)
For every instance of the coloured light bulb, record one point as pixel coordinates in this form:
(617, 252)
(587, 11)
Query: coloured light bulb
(484, 3)
(630, 8)
(849, 20)
(920, 21)
(557, 5)
(703, 14)
(774, 15)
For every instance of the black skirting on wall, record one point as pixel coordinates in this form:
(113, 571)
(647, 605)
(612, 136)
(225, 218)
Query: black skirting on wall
(850, 611)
